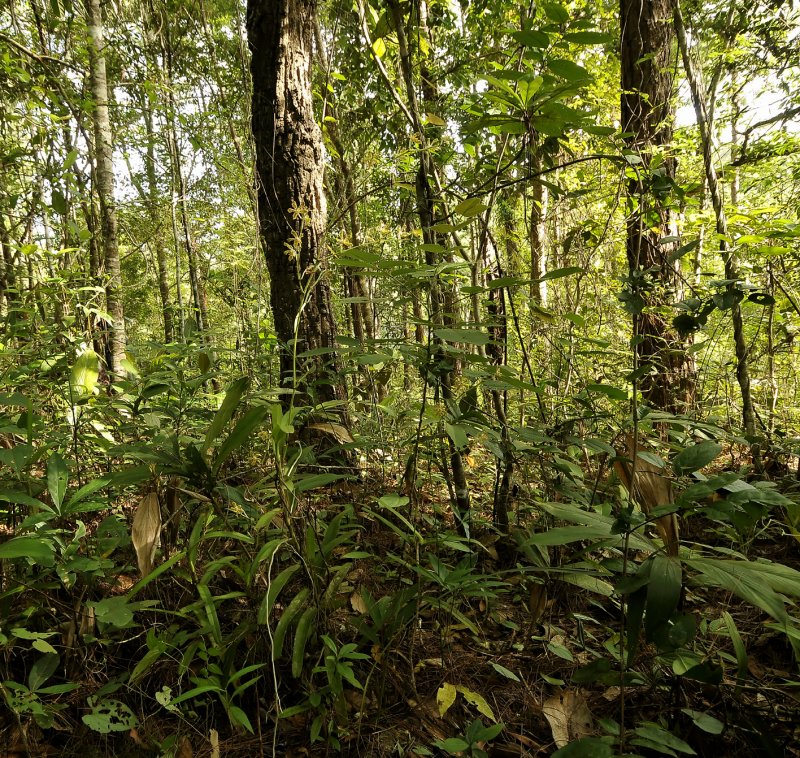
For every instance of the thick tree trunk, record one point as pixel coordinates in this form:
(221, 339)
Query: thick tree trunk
(292, 209)
(104, 179)
(646, 102)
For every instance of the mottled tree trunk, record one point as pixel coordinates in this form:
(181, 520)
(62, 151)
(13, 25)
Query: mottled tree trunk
(647, 38)
(104, 180)
(292, 209)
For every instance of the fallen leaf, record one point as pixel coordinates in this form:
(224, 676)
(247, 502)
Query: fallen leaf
(538, 602)
(184, 748)
(445, 697)
(358, 604)
(569, 717)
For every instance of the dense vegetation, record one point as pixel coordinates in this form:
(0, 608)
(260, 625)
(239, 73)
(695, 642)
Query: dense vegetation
(399, 378)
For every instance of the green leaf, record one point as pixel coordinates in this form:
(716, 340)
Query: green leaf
(615, 393)
(57, 478)
(683, 250)
(452, 745)
(110, 716)
(736, 578)
(695, 457)
(114, 611)
(588, 38)
(472, 206)
(458, 434)
(232, 399)
(85, 372)
(42, 670)
(58, 202)
(558, 273)
(37, 549)
(243, 430)
(503, 671)
(478, 701)
(568, 70)
(661, 736)
(704, 721)
(587, 747)
(532, 38)
(445, 697)
(467, 336)
(556, 12)
(663, 592)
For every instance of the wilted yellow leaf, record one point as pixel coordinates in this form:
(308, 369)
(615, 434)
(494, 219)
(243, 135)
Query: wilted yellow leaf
(445, 697)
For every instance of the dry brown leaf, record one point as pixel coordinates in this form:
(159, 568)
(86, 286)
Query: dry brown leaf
(146, 532)
(359, 606)
(337, 431)
(569, 717)
(184, 748)
(538, 602)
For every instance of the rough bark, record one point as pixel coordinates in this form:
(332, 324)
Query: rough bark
(104, 180)
(292, 208)
(646, 104)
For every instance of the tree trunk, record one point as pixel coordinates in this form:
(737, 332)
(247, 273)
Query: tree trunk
(158, 239)
(292, 209)
(728, 257)
(646, 104)
(104, 179)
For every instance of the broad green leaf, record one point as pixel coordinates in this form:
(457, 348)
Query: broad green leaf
(467, 336)
(663, 592)
(88, 489)
(85, 372)
(472, 206)
(661, 736)
(37, 549)
(230, 403)
(556, 12)
(568, 70)
(704, 721)
(615, 393)
(453, 745)
(587, 37)
(42, 670)
(532, 38)
(458, 434)
(695, 457)
(57, 479)
(586, 747)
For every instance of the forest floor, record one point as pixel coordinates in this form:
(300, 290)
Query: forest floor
(529, 654)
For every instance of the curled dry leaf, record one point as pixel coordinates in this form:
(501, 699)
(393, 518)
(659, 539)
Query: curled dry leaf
(146, 532)
(569, 717)
(538, 602)
(358, 604)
